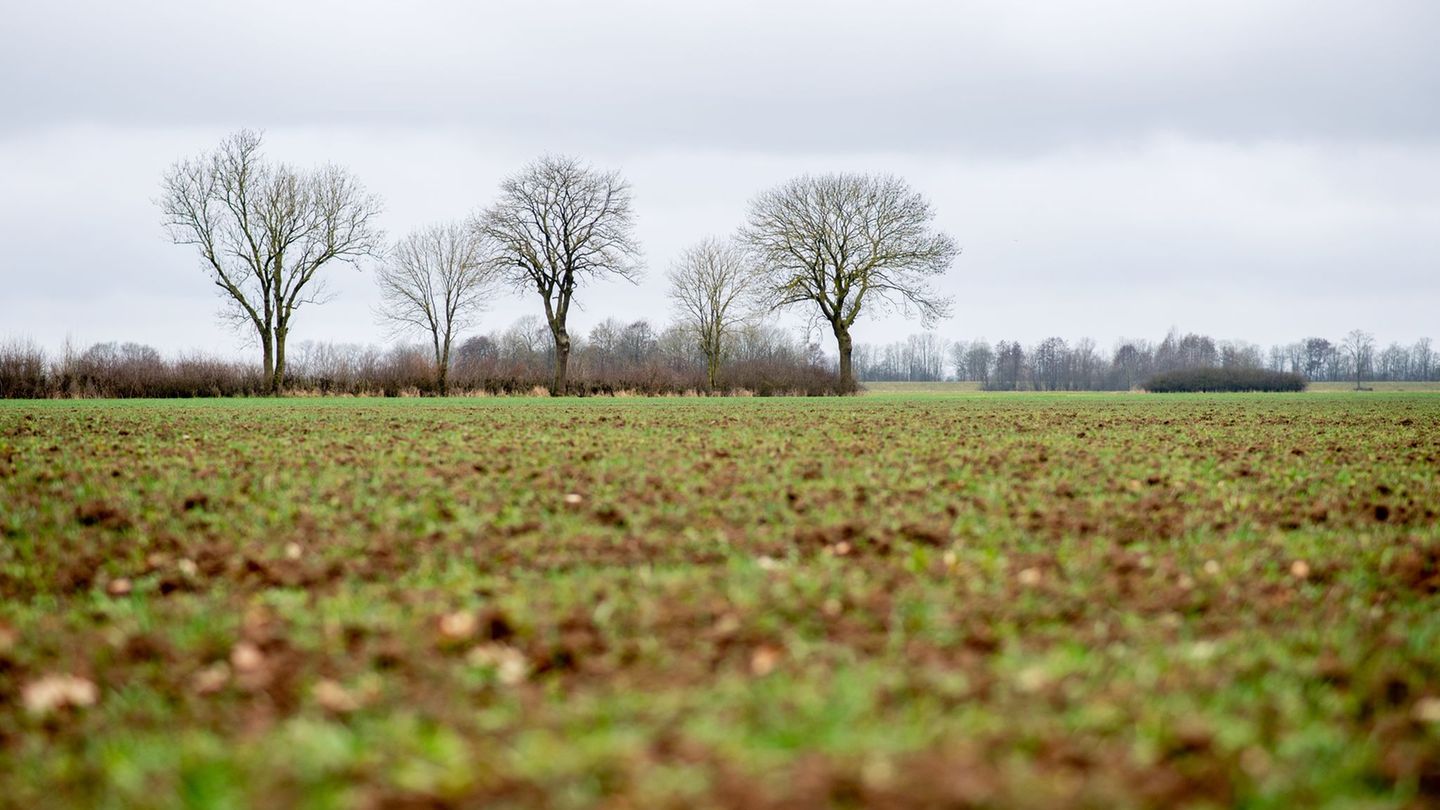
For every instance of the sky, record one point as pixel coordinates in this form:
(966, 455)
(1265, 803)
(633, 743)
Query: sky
(1259, 170)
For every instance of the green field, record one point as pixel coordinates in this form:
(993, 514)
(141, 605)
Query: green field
(893, 600)
(950, 387)
(1382, 386)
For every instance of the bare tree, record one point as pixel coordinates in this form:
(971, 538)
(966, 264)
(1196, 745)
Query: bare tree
(265, 231)
(840, 241)
(978, 361)
(435, 280)
(711, 284)
(1422, 357)
(1360, 345)
(557, 223)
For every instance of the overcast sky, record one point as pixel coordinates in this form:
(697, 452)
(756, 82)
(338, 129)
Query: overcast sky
(1254, 169)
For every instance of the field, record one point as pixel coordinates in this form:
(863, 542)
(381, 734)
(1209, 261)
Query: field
(1382, 385)
(893, 600)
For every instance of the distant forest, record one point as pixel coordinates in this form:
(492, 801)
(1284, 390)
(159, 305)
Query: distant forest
(1055, 364)
(638, 357)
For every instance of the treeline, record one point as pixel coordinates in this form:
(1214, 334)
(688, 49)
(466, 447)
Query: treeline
(1055, 364)
(614, 358)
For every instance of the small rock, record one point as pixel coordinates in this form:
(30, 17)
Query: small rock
(334, 697)
(53, 692)
(1203, 650)
(1032, 679)
(1212, 568)
(727, 625)
(1029, 577)
(458, 626)
(292, 551)
(509, 663)
(246, 658)
(763, 660)
(211, 679)
(1427, 710)
(574, 499)
(119, 587)
(188, 567)
(1300, 569)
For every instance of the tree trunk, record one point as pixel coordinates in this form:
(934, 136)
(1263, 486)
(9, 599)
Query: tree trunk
(268, 348)
(277, 383)
(847, 372)
(442, 369)
(712, 371)
(562, 361)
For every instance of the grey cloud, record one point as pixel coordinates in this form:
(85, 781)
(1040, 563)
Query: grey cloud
(1259, 170)
(751, 75)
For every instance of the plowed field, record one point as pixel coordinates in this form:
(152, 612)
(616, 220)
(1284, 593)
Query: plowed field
(948, 601)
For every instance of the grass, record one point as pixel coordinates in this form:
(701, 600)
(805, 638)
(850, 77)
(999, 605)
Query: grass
(951, 387)
(1342, 387)
(889, 600)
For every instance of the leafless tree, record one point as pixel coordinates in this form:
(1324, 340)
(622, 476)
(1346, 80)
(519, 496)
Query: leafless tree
(1360, 345)
(1424, 357)
(265, 231)
(711, 284)
(840, 241)
(435, 280)
(558, 223)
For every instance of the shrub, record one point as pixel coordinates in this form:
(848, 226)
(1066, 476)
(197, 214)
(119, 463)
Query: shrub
(1223, 380)
(132, 370)
(22, 370)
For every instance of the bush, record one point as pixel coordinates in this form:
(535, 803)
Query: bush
(1223, 380)
(132, 370)
(22, 370)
